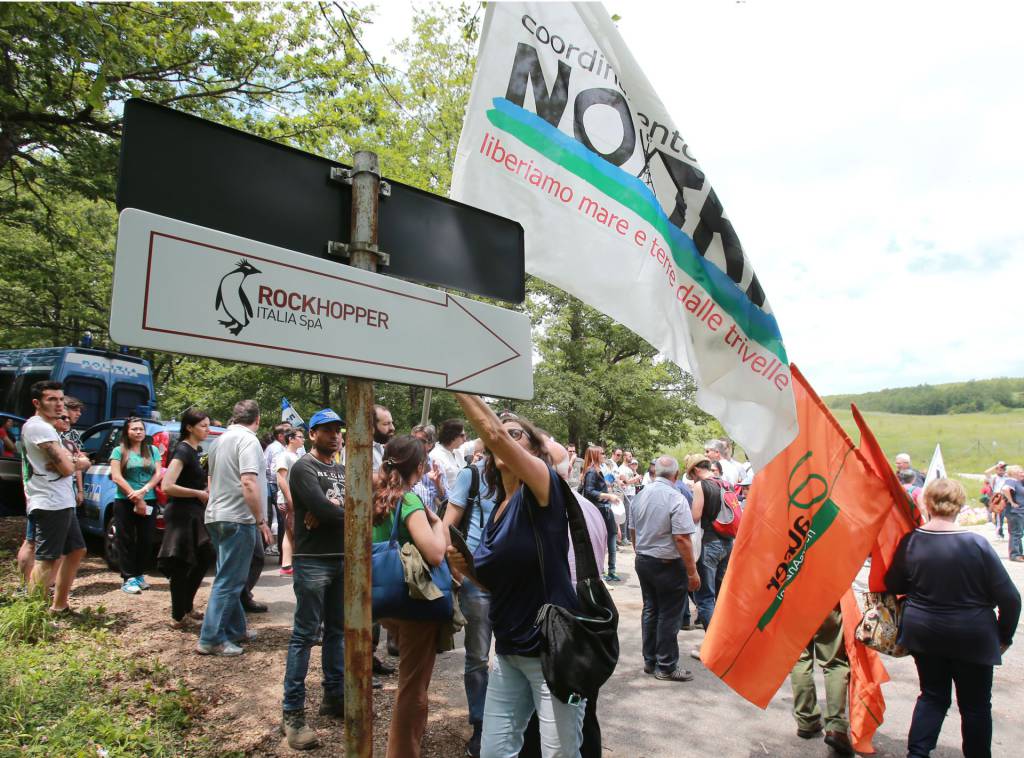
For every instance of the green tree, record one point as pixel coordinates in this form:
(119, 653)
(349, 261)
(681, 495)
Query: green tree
(598, 382)
(66, 69)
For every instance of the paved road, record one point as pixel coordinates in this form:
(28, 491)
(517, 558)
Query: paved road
(645, 718)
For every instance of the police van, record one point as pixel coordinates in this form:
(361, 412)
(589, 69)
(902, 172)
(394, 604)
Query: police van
(111, 385)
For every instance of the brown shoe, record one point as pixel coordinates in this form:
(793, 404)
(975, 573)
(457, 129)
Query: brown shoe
(840, 742)
(810, 732)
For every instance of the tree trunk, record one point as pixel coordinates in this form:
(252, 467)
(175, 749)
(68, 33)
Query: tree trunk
(325, 391)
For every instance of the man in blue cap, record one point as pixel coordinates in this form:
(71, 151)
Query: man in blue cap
(317, 485)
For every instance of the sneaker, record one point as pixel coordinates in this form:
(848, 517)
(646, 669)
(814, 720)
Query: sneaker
(226, 648)
(250, 635)
(286, 571)
(675, 675)
(131, 586)
(299, 736)
(613, 577)
(141, 581)
(695, 653)
(271, 550)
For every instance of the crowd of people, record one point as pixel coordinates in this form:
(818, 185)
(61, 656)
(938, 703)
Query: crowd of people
(494, 508)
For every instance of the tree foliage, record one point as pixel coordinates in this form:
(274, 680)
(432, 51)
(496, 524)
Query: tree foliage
(295, 72)
(932, 400)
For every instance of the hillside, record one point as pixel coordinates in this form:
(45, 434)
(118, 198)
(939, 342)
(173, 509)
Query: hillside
(971, 442)
(935, 399)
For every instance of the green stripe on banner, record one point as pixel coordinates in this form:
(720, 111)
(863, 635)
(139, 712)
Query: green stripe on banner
(819, 525)
(684, 259)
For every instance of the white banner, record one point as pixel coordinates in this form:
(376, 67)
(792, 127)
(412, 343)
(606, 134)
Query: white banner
(565, 135)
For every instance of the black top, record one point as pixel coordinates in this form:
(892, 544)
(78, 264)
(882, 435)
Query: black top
(953, 580)
(712, 507)
(508, 563)
(192, 474)
(311, 483)
(594, 486)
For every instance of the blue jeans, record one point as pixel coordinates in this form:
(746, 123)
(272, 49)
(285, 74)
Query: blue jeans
(516, 689)
(663, 585)
(712, 555)
(225, 619)
(475, 604)
(1015, 525)
(319, 585)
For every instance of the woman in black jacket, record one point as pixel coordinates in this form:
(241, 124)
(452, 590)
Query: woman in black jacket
(952, 579)
(595, 489)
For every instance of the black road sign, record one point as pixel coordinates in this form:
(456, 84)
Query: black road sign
(204, 173)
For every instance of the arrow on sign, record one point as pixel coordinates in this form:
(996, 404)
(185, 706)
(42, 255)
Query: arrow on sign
(253, 302)
(450, 355)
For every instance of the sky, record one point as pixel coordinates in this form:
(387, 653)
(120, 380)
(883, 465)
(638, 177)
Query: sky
(870, 156)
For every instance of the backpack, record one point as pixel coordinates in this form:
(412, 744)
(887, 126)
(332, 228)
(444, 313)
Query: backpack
(473, 497)
(727, 522)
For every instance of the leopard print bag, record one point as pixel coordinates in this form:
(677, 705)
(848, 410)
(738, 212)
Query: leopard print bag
(880, 626)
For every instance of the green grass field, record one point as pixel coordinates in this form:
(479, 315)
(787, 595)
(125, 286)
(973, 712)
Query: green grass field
(971, 442)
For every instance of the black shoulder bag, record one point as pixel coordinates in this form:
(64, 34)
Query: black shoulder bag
(579, 649)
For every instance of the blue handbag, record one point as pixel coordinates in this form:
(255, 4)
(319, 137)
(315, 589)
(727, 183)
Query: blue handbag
(390, 592)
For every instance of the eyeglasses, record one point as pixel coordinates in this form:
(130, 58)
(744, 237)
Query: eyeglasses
(516, 434)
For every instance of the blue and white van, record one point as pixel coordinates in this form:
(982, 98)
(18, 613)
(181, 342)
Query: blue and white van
(111, 385)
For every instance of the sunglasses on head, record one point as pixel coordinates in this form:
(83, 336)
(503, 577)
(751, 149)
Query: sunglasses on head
(507, 416)
(704, 465)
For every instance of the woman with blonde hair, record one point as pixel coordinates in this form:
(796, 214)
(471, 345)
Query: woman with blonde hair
(953, 580)
(402, 465)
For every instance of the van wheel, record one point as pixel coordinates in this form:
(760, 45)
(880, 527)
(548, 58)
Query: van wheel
(110, 544)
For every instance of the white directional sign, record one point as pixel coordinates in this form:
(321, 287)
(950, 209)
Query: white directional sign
(188, 289)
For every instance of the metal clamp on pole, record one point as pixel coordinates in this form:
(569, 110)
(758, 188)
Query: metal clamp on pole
(365, 176)
(345, 176)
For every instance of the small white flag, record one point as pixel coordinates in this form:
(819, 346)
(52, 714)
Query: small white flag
(937, 468)
(289, 415)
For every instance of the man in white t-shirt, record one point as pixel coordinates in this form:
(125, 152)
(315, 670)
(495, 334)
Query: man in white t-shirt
(234, 519)
(294, 440)
(448, 453)
(273, 449)
(48, 469)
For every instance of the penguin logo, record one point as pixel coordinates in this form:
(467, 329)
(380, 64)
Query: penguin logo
(231, 298)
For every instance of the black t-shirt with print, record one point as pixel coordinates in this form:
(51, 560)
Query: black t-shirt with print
(192, 474)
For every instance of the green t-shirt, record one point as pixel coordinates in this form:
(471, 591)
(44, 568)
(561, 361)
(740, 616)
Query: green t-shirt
(382, 531)
(136, 473)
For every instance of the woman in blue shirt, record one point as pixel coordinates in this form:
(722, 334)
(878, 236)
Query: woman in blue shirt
(952, 579)
(528, 495)
(135, 469)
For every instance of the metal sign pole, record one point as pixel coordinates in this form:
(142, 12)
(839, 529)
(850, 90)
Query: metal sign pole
(363, 253)
(425, 415)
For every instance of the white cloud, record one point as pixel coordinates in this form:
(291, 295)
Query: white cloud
(869, 156)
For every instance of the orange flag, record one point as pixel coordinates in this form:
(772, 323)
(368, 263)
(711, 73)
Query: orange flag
(903, 515)
(867, 675)
(810, 521)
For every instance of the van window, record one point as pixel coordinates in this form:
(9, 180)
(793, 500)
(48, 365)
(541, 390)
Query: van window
(92, 392)
(23, 391)
(6, 382)
(126, 398)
